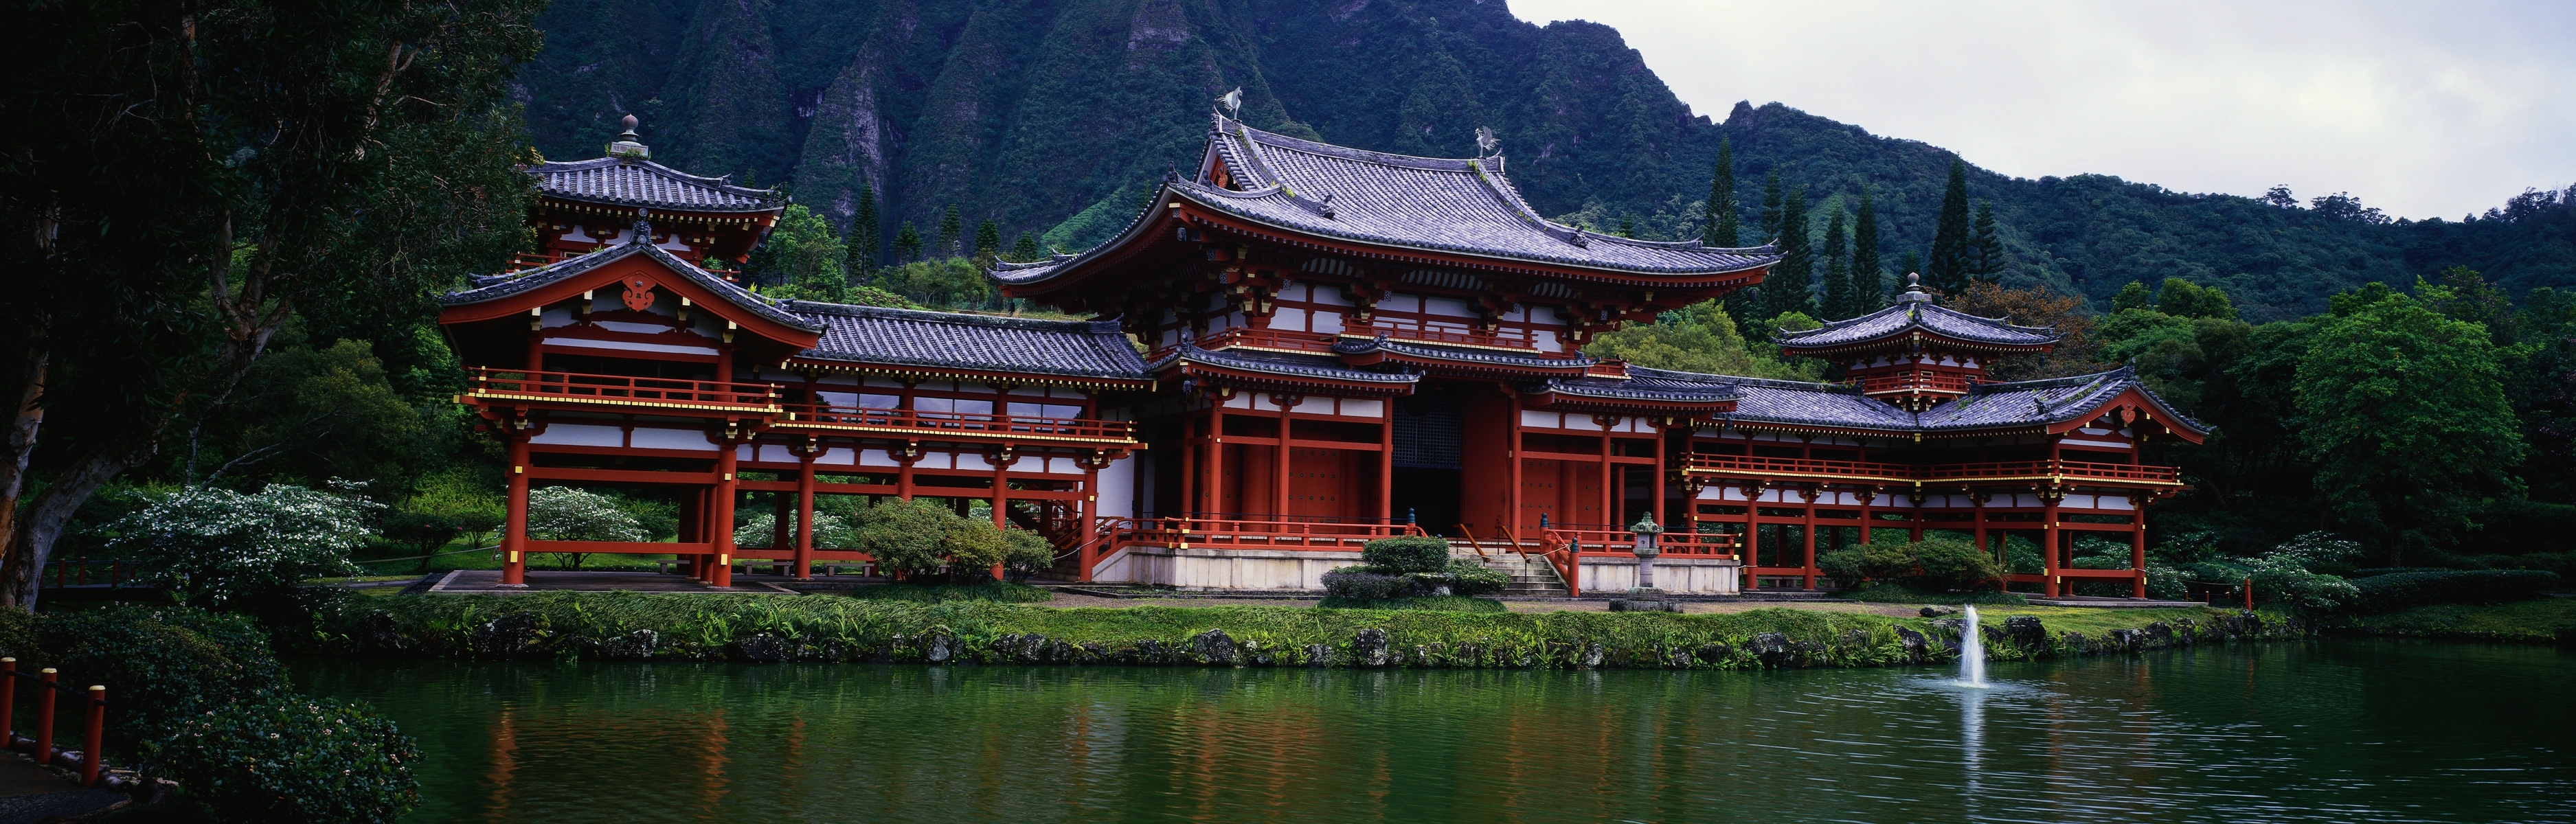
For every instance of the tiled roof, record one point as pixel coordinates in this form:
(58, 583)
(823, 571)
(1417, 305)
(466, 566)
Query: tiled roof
(1276, 363)
(1644, 384)
(495, 287)
(627, 181)
(909, 337)
(2040, 402)
(1461, 354)
(1910, 315)
(1459, 206)
(1799, 403)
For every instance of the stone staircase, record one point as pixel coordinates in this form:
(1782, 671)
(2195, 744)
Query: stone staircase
(1530, 579)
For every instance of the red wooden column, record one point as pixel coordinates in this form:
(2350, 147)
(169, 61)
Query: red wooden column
(1279, 490)
(1386, 463)
(1752, 533)
(1979, 501)
(1214, 488)
(1516, 513)
(1610, 497)
(2049, 534)
(1190, 447)
(1089, 531)
(1868, 495)
(514, 529)
(1810, 493)
(805, 516)
(2138, 548)
(1658, 491)
(1002, 459)
(720, 519)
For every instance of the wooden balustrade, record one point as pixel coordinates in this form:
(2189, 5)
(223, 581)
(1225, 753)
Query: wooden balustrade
(1251, 533)
(1995, 470)
(1934, 381)
(1268, 339)
(621, 390)
(956, 423)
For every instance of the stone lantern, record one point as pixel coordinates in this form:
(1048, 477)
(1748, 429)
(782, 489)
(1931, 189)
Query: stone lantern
(1645, 530)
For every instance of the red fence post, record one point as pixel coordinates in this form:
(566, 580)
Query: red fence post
(2249, 595)
(45, 720)
(90, 742)
(8, 701)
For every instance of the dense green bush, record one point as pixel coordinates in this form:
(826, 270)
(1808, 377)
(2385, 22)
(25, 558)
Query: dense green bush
(1364, 583)
(290, 759)
(1882, 560)
(997, 591)
(215, 547)
(159, 663)
(1953, 563)
(2401, 590)
(1407, 553)
(1471, 578)
(921, 537)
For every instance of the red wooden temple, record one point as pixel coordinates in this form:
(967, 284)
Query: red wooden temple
(1297, 349)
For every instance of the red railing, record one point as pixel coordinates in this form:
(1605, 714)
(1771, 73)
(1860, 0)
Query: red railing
(621, 389)
(1935, 381)
(956, 423)
(93, 704)
(111, 574)
(1250, 533)
(1442, 336)
(1999, 470)
(1268, 339)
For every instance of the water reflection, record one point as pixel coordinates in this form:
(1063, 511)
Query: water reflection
(2331, 732)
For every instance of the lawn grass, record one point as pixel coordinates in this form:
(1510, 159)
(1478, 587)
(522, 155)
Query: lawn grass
(1003, 592)
(2537, 620)
(1435, 603)
(1899, 594)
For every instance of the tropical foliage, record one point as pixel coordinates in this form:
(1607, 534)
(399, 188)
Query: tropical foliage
(218, 547)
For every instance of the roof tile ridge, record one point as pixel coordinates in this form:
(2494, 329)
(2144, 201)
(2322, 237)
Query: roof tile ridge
(1269, 139)
(712, 182)
(1785, 383)
(2005, 321)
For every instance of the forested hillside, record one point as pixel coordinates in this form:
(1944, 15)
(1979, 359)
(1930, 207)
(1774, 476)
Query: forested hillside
(1029, 112)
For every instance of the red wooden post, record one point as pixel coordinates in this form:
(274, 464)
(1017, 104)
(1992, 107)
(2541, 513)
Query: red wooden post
(805, 518)
(2249, 595)
(720, 520)
(514, 522)
(90, 742)
(8, 700)
(45, 720)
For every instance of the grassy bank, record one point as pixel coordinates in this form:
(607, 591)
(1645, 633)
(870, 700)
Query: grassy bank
(649, 626)
(2541, 620)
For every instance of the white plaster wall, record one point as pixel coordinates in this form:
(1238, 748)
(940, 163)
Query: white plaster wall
(1697, 576)
(1117, 489)
(1233, 569)
(562, 434)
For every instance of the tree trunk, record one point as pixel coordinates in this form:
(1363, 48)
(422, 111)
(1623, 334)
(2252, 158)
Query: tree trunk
(38, 523)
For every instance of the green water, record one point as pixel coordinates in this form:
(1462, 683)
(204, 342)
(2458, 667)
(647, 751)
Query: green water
(2330, 731)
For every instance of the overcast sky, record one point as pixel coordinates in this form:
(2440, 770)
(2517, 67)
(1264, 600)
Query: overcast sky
(2420, 109)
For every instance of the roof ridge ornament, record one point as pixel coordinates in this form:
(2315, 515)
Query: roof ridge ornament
(1914, 289)
(643, 232)
(1233, 102)
(628, 145)
(1485, 142)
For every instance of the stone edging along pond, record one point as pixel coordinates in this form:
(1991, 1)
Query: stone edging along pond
(628, 626)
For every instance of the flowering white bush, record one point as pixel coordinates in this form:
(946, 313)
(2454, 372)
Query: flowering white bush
(830, 532)
(562, 513)
(218, 546)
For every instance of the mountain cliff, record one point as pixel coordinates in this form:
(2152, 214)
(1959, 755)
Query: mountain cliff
(1032, 112)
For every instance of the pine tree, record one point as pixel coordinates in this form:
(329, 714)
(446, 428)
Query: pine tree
(1838, 283)
(863, 238)
(988, 241)
(1025, 249)
(1771, 206)
(1791, 285)
(1869, 281)
(1948, 272)
(907, 244)
(1627, 226)
(1722, 228)
(1985, 249)
(950, 228)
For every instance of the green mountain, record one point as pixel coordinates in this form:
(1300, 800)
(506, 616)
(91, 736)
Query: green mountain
(1051, 115)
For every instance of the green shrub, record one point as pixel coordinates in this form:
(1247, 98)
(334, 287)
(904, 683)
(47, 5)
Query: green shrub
(1028, 553)
(1954, 563)
(997, 591)
(1407, 553)
(2401, 590)
(1882, 560)
(288, 759)
(159, 663)
(1364, 584)
(216, 547)
(1471, 578)
(906, 536)
(1428, 603)
(2359, 574)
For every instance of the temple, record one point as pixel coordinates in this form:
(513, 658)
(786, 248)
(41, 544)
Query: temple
(1296, 349)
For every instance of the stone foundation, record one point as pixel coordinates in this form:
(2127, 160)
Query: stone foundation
(1611, 575)
(1222, 569)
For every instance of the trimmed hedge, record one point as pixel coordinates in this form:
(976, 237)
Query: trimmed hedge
(1364, 584)
(2402, 590)
(1409, 553)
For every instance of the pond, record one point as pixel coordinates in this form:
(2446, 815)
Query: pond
(2345, 730)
